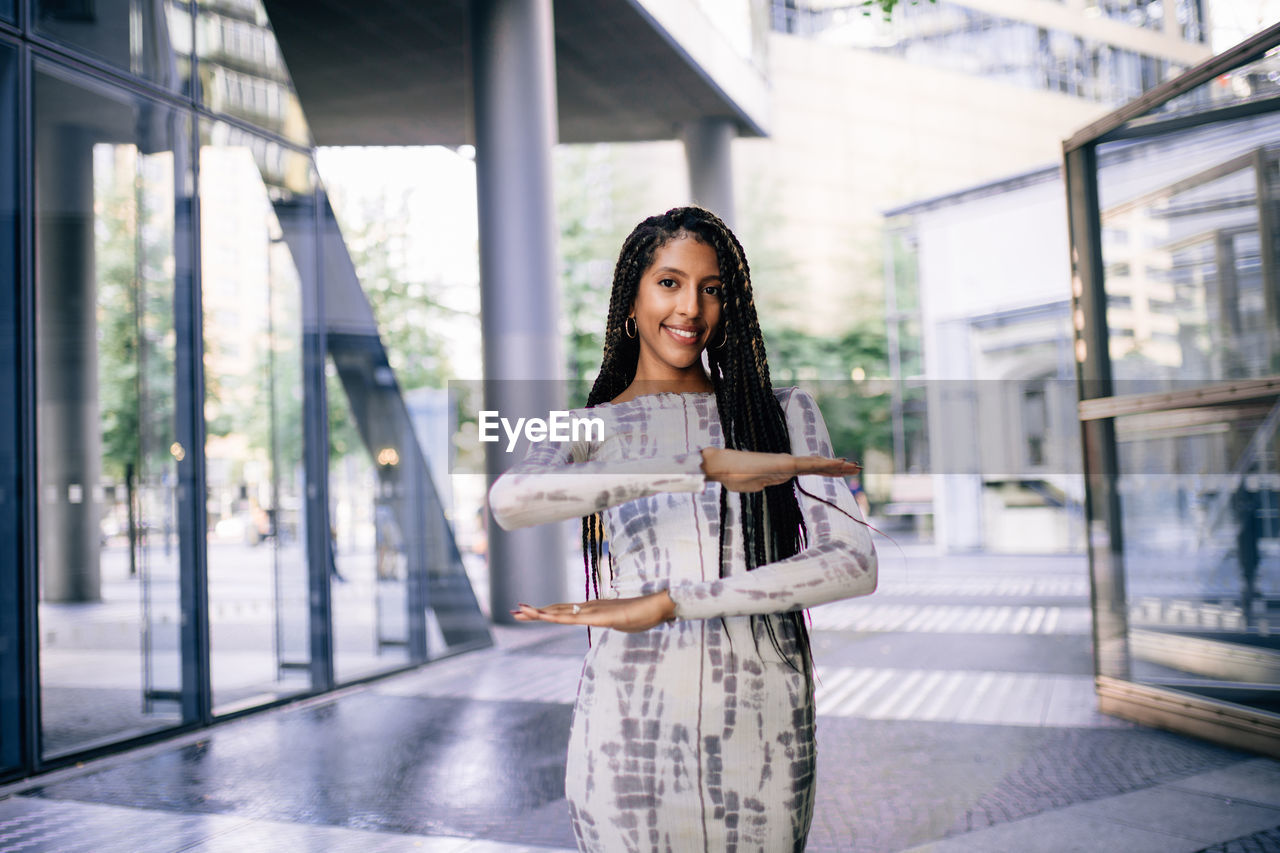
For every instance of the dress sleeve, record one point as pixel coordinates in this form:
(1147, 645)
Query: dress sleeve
(557, 481)
(840, 561)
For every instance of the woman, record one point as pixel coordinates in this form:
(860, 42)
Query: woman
(694, 722)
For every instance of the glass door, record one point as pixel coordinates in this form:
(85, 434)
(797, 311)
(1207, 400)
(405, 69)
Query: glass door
(259, 603)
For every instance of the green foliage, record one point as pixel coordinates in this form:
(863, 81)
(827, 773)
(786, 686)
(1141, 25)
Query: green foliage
(596, 208)
(886, 7)
(134, 249)
(856, 410)
(344, 438)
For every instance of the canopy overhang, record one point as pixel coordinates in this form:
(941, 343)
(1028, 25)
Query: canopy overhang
(398, 72)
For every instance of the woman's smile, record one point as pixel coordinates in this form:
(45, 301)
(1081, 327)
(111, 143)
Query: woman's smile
(684, 335)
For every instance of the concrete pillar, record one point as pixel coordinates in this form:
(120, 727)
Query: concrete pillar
(69, 428)
(513, 62)
(707, 148)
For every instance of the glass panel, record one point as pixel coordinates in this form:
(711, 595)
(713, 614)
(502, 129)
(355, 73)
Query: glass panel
(1190, 17)
(242, 73)
(1148, 14)
(972, 41)
(1200, 502)
(1185, 256)
(110, 175)
(370, 566)
(150, 39)
(6, 9)
(10, 507)
(259, 611)
(1252, 82)
(390, 522)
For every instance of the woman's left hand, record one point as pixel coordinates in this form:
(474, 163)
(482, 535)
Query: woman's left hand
(622, 614)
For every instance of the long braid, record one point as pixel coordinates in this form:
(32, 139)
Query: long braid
(750, 415)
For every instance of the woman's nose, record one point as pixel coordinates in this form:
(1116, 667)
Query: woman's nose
(688, 302)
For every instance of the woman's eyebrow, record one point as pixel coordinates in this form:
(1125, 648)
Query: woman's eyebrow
(682, 272)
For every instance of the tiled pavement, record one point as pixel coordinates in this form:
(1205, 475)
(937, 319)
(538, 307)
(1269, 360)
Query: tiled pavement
(954, 716)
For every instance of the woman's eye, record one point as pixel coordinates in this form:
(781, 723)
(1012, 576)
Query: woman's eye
(712, 289)
(668, 281)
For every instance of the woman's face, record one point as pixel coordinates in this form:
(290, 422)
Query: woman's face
(677, 308)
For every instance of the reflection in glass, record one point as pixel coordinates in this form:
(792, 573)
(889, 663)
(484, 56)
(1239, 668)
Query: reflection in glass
(6, 9)
(1200, 502)
(242, 73)
(106, 176)
(1251, 82)
(369, 572)
(1148, 14)
(1185, 257)
(259, 613)
(150, 39)
(977, 42)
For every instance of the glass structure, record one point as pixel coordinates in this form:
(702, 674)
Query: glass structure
(1175, 232)
(975, 40)
(212, 498)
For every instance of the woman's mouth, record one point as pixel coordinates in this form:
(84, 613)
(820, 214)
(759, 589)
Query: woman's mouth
(682, 336)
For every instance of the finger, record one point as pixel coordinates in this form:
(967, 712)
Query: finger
(823, 464)
(565, 609)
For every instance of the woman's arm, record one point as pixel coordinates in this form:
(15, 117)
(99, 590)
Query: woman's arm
(555, 482)
(840, 561)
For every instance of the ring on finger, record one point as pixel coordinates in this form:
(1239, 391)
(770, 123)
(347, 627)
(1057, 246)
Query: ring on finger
(577, 608)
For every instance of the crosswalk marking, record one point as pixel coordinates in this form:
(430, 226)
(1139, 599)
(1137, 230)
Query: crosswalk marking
(1055, 587)
(875, 693)
(961, 619)
(979, 697)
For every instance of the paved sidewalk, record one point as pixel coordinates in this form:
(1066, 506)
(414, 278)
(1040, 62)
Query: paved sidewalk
(972, 729)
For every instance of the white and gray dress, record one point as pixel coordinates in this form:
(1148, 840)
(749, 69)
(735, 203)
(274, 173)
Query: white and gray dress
(693, 735)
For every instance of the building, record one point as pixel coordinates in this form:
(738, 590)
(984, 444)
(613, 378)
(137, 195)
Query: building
(978, 301)
(1175, 241)
(870, 115)
(212, 498)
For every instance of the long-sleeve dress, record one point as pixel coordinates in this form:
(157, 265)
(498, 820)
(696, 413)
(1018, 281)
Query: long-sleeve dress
(694, 735)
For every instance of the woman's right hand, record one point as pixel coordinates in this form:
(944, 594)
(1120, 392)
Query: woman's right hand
(750, 471)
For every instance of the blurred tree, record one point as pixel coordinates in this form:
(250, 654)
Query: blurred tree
(597, 205)
(886, 7)
(407, 305)
(838, 372)
(135, 316)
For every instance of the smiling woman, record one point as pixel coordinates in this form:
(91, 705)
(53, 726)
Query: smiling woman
(694, 722)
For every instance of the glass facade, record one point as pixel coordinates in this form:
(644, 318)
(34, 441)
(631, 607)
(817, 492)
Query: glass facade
(974, 41)
(1175, 221)
(254, 466)
(1253, 81)
(112, 251)
(212, 498)
(150, 40)
(909, 409)
(242, 73)
(1182, 218)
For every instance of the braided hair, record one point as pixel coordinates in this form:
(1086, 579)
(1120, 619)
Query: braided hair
(750, 415)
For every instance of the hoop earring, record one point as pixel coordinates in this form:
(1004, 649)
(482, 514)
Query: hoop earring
(724, 337)
(629, 327)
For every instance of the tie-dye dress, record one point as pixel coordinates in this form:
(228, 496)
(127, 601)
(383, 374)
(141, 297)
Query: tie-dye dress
(693, 735)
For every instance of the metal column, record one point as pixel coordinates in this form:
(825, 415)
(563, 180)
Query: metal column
(708, 150)
(70, 443)
(513, 64)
